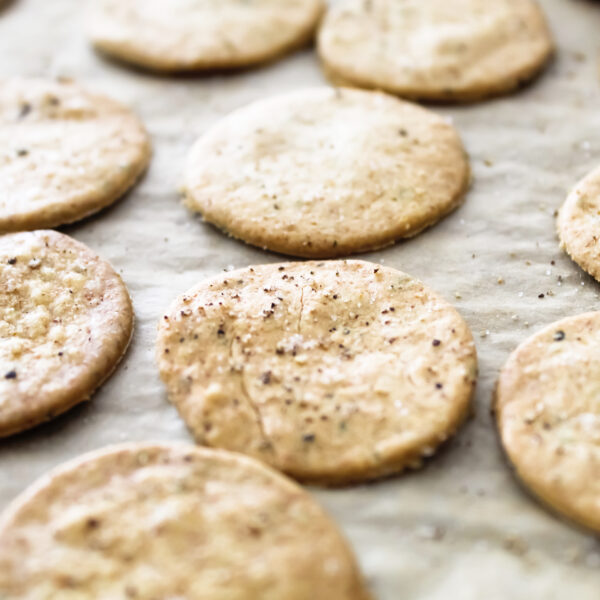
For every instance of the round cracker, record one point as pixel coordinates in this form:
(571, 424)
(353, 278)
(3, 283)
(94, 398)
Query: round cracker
(65, 322)
(172, 521)
(66, 153)
(327, 172)
(549, 416)
(579, 224)
(331, 372)
(435, 49)
(201, 34)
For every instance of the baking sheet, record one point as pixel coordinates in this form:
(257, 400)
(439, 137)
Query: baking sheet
(461, 528)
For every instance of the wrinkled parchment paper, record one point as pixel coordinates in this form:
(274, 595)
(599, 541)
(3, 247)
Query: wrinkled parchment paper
(462, 528)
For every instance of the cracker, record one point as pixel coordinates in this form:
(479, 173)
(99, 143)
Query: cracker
(65, 322)
(327, 172)
(66, 153)
(172, 521)
(204, 34)
(579, 224)
(435, 49)
(332, 372)
(549, 416)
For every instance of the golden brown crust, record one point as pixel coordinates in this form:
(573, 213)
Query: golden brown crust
(326, 173)
(204, 36)
(65, 322)
(332, 372)
(68, 153)
(549, 417)
(579, 224)
(435, 50)
(165, 521)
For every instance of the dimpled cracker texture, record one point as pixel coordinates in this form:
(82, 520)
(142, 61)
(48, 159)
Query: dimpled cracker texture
(548, 411)
(579, 224)
(327, 172)
(201, 34)
(435, 49)
(65, 153)
(65, 322)
(332, 372)
(171, 521)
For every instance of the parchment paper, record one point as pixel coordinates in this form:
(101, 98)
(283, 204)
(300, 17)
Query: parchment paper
(461, 528)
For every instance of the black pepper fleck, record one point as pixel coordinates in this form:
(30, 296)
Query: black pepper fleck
(436, 342)
(25, 110)
(12, 261)
(11, 375)
(559, 336)
(308, 438)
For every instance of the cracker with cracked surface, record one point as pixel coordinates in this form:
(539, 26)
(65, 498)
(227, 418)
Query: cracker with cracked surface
(548, 412)
(332, 372)
(172, 521)
(324, 173)
(65, 153)
(65, 322)
(201, 34)
(579, 224)
(435, 49)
